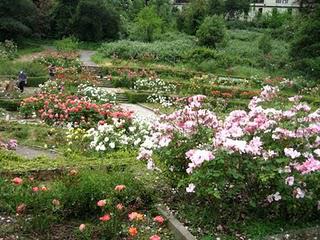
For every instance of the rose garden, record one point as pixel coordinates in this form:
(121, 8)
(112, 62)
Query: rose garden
(164, 138)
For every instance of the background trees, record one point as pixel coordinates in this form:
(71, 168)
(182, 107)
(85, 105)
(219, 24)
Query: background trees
(16, 18)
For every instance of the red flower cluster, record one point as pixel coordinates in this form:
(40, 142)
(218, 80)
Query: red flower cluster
(60, 109)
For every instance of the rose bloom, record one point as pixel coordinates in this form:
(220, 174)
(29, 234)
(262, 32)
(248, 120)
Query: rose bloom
(35, 189)
(135, 216)
(155, 237)
(21, 208)
(120, 187)
(119, 206)
(17, 181)
(73, 172)
(133, 231)
(44, 188)
(101, 203)
(158, 219)
(105, 218)
(82, 227)
(56, 202)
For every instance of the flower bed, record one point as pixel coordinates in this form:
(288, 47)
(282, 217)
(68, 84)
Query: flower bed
(260, 162)
(106, 205)
(59, 109)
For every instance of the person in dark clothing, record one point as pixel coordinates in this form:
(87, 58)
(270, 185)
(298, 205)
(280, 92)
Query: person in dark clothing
(22, 80)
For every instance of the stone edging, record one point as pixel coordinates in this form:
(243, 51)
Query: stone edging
(179, 231)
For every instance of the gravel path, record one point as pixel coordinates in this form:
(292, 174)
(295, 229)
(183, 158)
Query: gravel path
(140, 113)
(85, 58)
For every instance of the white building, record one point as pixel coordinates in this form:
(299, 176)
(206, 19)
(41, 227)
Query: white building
(266, 6)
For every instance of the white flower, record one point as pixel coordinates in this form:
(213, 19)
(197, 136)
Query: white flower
(190, 188)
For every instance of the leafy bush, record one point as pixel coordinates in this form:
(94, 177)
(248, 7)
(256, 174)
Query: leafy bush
(265, 44)
(305, 47)
(67, 44)
(8, 50)
(31, 69)
(212, 31)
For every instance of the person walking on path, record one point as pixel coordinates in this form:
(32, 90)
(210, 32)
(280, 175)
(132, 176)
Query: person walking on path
(22, 80)
(52, 71)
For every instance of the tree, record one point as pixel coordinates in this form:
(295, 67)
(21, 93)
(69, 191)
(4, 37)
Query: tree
(94, 21)
(305, 48)
(234, 8)
(212, 31)
(42, 25)
(16, 18)
(147, 25)
(215, 7)
(63, 17)
(192, 16)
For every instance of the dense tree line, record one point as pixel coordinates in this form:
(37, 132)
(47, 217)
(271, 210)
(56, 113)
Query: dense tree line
(146, 20)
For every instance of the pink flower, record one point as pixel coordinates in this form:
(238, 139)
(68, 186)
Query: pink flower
(105, 218)
(190, 188)
(120, 206)
(310, 165)
(35, 189)
(299, 193)
(289, 181)
(135, 216)
(274, 197)
(155, 237)
(290, 152)
(44, 188)
(17, 181)
(158, 219)
(82, 227)
(101, 203)
(198, 157)
(120, 187)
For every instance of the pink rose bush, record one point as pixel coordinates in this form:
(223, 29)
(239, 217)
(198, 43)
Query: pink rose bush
(264, 157)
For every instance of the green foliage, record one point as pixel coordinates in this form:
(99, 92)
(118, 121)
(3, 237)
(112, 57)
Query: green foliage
(94, 21)
(192, 16)
(9, 105)
(216, 7)
(235, 8)
(67, 44)
(265, 44)
(212, 31)
(170, 52)
(137, 97)
(62, 17)
(274, 20)
(148, 25)
(32, 69)
(305, 48)
(16, 18)
(8, 50)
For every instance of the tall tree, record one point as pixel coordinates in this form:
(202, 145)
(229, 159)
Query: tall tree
(42, 25)
(63, 17)
(94, 21)
(16, 18)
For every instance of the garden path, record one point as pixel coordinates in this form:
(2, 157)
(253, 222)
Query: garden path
(140, 113)
(85, 58)
(31, 153)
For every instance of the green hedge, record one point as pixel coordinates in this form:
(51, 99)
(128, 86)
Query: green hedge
(10, 104)
(136, 97)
